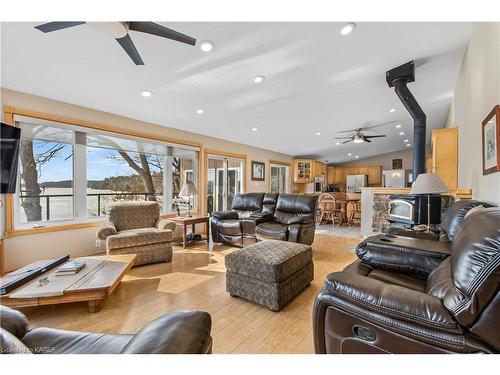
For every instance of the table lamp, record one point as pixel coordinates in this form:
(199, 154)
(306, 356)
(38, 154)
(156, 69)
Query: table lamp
(428, 183)
(188, 190)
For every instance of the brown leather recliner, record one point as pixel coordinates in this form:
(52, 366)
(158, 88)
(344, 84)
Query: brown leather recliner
(394, 306)
(181, 332)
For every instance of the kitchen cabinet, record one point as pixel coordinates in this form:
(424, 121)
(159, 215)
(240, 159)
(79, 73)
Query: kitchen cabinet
(306, 170)
(302, 171)
(444, 156)
(337, 175)
(374, 175)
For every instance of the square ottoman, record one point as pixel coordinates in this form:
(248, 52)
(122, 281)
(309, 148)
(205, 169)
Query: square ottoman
(269, 272)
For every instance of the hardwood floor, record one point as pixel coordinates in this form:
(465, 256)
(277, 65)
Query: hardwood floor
(196, 280)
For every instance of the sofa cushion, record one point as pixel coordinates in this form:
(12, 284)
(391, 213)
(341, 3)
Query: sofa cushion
(291, 207)
(270, 260)
(455, 214)
(475, 266)
(269, 203)
(248, 202)
(131, 215)
(138, 237)
(272, 230)
(229, 227)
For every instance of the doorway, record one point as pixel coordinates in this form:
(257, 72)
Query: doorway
(279, 179)
(224, 181)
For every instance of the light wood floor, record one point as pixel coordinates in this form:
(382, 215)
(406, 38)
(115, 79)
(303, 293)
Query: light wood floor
(196, 280)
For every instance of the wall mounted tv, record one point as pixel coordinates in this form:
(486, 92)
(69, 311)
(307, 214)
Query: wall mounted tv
(9, 154)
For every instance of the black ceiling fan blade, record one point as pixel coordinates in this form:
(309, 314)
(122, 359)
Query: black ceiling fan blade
(350, 140)
(367, 140)
(129, 47)
(159, 30)
(54, 26)
(374, 136)
(350, 131)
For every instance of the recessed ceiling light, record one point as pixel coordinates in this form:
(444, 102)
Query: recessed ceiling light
(207, 45)
(408, 145)
(318, 133)
(405, 141)
(255, 129)
(392, 110)
(349, 154)
(401, 133)
(200, 111)
(347, 28)
(398, 126)
(259, 79)
(146, 93)
(337, 143)
(357, 156)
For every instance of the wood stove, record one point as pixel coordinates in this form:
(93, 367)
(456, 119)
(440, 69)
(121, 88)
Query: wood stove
(405, 211)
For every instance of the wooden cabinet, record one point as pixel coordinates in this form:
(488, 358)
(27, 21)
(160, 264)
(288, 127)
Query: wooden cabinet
(444, 157)
(302, 171)
(374, 176)
(337, 175)
(306, 170)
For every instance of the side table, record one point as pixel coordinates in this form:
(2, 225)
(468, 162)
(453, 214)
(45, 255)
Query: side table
(185, 221)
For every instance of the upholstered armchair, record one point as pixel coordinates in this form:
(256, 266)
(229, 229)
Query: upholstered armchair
(137, 228)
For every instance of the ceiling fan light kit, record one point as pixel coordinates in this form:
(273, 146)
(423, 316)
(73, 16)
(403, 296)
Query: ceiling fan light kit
(120, 32)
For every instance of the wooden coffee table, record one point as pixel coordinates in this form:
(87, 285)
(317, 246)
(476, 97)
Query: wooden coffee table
(93, 286)
(185, 221)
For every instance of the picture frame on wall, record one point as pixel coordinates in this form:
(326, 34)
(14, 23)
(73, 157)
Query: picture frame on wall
(397, 163)
(490, 133)
(258, 171)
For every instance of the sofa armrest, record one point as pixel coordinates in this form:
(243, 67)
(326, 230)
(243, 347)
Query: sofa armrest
(398, 302)
(165, 224)
(180, 332)
(13, 321)
(105, 229)
(432, 235)
(403, 254)
(225, 215)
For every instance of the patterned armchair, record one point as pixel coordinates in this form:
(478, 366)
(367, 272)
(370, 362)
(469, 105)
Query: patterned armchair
(136, 228)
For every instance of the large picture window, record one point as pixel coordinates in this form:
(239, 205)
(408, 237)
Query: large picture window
(73, 173)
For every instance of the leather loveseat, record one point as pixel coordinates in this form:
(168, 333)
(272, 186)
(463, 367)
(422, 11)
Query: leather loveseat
(286, 217)
(181, 332)
(416, 299)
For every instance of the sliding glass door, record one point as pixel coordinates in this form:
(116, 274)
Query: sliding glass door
(225, 180)
(279, 178)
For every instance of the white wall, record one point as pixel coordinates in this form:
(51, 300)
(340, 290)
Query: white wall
(22, 250)
(476, 93)
(385, 160)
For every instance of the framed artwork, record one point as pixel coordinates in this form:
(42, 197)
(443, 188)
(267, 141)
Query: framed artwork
(397, 163)
(490, 131)
(258, 171)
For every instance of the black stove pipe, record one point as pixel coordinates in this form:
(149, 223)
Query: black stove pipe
(398, 78)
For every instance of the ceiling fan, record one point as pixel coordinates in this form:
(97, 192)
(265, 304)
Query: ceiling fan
(120, 32)
(359, 136)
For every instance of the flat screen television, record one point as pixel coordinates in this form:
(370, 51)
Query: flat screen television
(9, 155)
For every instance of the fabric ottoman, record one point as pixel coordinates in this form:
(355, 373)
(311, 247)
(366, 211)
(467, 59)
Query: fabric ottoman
(269, 272)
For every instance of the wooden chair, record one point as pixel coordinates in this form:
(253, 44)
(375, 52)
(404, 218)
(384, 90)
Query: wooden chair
(355, 213)
(327, 208)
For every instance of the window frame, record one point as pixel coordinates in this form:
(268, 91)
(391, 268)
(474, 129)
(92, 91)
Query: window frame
(11, 229)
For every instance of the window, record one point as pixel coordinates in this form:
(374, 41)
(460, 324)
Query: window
(70, 172)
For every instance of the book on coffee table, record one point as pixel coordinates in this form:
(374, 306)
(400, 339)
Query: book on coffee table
(70, 268)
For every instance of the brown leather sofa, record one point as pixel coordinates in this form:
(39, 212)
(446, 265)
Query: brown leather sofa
(286, 217)
(181, 332)
(397, 301)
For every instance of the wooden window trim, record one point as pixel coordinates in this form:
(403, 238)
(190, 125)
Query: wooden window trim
(10, 112)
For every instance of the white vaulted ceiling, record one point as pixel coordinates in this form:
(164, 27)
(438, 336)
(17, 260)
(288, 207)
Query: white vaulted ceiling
(316, 80)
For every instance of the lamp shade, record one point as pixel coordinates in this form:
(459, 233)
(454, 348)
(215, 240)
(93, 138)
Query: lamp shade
(428, 183)
(188, 189)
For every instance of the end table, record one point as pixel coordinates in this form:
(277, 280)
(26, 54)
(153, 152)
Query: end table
(184, 221)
